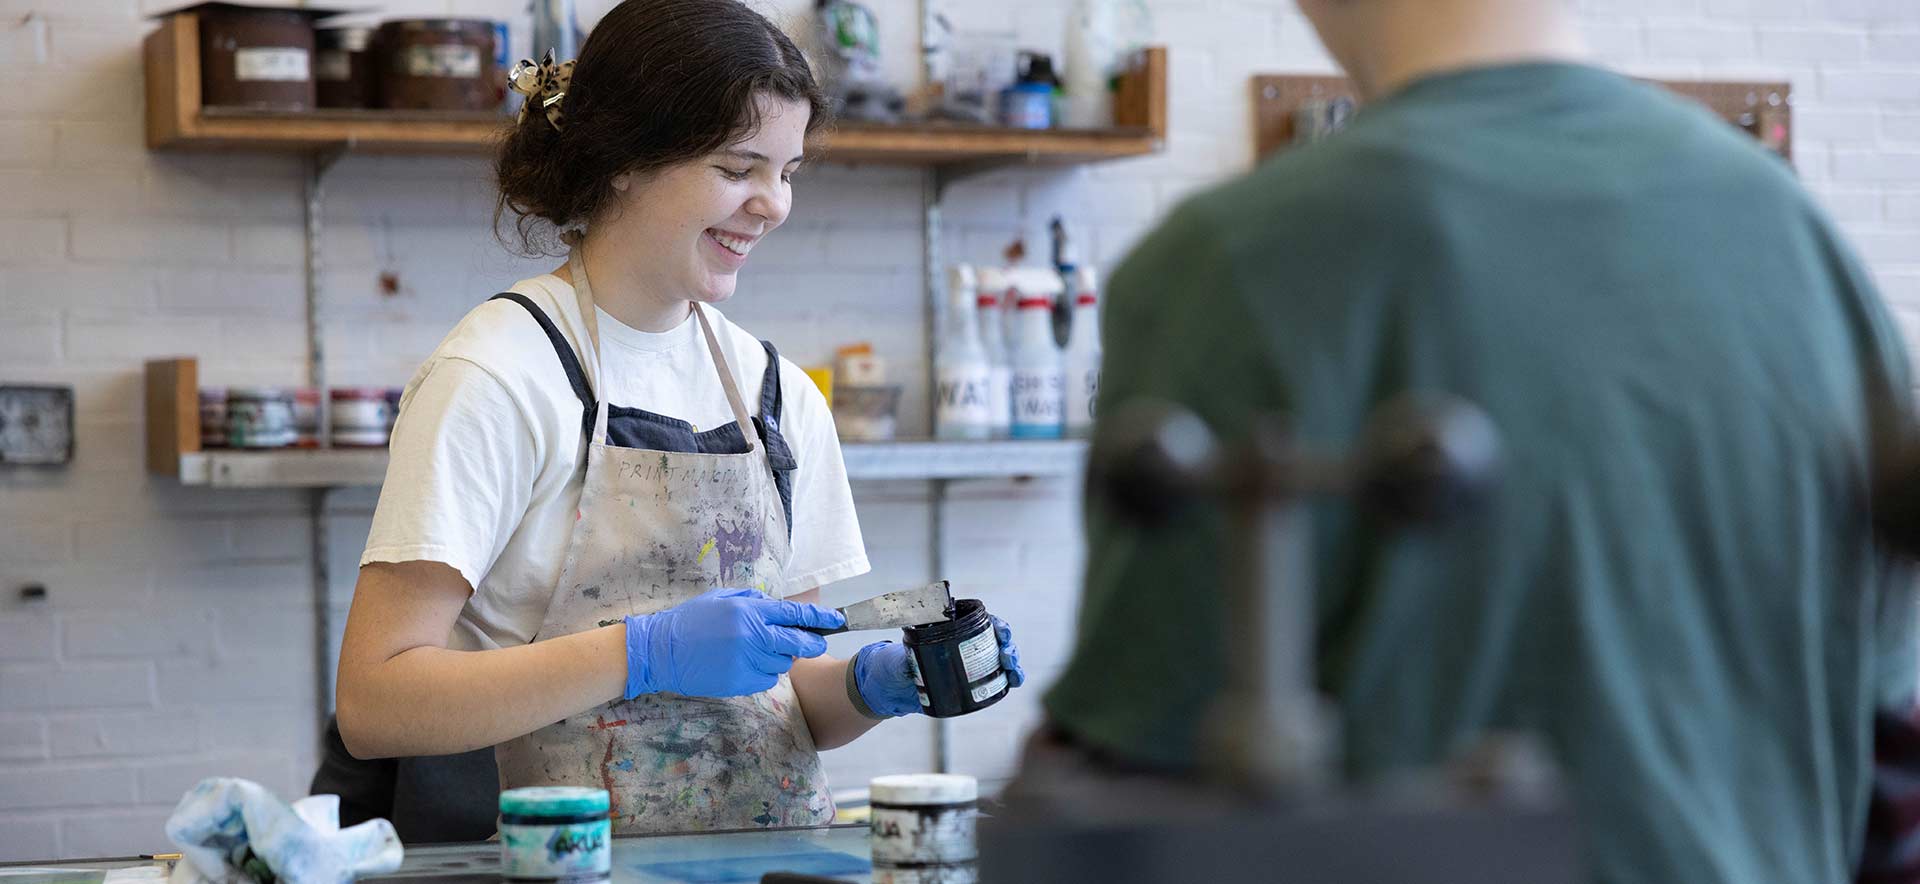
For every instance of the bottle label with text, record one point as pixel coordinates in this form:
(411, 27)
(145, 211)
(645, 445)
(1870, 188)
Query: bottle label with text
(1039, 402)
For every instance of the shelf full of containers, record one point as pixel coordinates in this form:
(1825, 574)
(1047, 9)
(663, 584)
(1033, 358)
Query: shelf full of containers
(223, 77)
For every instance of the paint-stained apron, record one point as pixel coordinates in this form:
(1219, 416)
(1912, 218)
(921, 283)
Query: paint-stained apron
(655, 529)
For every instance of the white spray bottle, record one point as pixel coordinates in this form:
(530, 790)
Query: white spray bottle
(1083, 354)
(963, 407)
(1039, 377)
(993, 338)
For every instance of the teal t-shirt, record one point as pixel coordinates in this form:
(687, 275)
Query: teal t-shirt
(1674, 585)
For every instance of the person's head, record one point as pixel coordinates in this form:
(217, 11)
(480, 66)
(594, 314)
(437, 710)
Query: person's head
(679, 130)
(1383, 43)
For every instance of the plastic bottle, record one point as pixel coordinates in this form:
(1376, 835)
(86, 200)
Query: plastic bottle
(993, 338)
(1091, 52)
(963, 373)
(555, 27)
(1083, 355)
(1028, 103)
(1065, 260)
(1039, 375)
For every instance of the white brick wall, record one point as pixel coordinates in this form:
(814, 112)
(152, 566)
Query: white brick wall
(178, 639)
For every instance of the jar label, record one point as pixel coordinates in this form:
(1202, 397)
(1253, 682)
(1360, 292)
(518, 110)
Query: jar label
(980, 655)
(275, 63)
(993, 686)
(556, 851)
(952, 873)
(333, 65)
(461, 62)
(923, 835)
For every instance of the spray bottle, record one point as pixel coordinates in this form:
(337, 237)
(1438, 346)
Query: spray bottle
(993, 339)
(1039, 378)
(963, 407)
(1083, 355)
(1065, 260)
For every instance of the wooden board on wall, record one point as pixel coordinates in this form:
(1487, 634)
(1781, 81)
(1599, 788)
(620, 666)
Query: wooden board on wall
(1277, 96)
(173, 412)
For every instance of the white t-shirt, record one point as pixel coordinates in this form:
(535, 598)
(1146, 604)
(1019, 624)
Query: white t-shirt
(488, 457)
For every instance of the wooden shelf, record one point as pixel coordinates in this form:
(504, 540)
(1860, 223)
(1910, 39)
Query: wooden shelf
(177, 121)
(173, 449)
(938, 144)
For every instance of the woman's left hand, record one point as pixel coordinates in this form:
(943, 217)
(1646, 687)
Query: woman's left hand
(885, 684)
(1009, 655)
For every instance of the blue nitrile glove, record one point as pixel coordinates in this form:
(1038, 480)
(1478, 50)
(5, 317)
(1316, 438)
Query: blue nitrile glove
(721, 643)
(1009, 655)
(885, 684)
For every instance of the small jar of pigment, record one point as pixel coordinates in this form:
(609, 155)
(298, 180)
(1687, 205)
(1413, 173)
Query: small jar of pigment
(555, 834)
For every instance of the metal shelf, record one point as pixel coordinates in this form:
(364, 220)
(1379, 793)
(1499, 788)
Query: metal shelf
(285, 468)
(995, 459)
(367, 467)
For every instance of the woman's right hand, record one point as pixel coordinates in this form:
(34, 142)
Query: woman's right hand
(722, 643)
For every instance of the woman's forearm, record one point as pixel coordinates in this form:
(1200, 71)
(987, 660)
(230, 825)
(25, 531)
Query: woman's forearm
(435, 701)
(401, 691)
(821, 685)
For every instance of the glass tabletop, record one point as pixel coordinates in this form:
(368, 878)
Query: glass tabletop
(705, 858)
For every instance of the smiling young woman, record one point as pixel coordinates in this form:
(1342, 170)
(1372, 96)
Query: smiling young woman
(604, 496)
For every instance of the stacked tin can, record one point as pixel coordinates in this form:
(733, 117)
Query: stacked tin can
(362, 417)
(260, 417)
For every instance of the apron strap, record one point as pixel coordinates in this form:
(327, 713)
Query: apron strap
(726, 380)
(569, 363)
(590, 316)
(755, 442)
(770, 388)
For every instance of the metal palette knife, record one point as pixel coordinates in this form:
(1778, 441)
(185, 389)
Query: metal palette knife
(908, 607)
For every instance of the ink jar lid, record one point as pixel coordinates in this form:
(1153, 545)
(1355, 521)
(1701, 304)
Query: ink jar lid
(551, 803)
(919, 790)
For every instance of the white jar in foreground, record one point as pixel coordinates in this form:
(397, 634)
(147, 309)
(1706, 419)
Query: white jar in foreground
(923, 829)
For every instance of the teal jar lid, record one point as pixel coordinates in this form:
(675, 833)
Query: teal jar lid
(553, 801)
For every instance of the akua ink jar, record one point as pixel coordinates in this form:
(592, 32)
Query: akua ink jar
(555, 834)
(956, 663)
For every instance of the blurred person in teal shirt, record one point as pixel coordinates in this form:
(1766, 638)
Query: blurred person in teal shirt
(1674, 585)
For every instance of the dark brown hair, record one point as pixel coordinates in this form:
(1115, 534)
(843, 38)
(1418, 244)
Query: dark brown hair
(658, 82)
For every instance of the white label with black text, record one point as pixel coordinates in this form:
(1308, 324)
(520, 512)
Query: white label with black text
(1039, 396)
(981, 655)
(993, 686)
(1083, 390)
(333, 65)
(962, 397)
(443, 61)
(276, 64)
